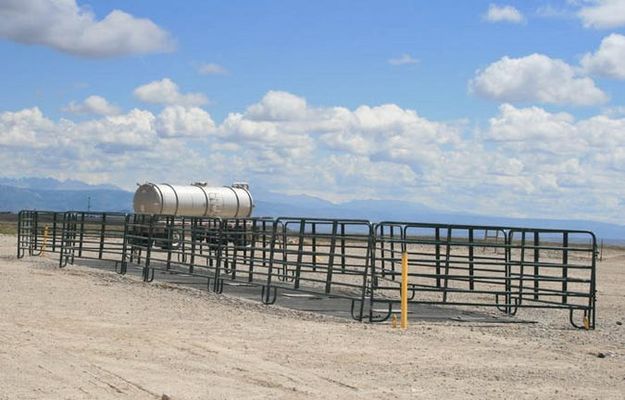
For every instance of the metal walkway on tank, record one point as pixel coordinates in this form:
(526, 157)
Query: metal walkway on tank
(333, 266)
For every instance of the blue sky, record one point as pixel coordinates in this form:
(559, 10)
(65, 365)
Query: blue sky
(510, 108)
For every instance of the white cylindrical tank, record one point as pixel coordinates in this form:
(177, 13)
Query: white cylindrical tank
(196, 200)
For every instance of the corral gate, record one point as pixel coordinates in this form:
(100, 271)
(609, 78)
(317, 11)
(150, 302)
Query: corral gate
(459, 265)
(353, 260)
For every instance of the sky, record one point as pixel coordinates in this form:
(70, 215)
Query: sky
(499, 108)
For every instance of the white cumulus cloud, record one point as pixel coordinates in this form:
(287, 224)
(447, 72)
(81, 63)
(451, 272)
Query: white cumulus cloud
(609, 59)
(529, 124)
(277, 105)
(68, 27)
(603, 14)
(497, 13)
(178, 121)
(534, 129)
(93, 105)
(133, 130)
(26, 128)
(536, 78)
(386, 132)
(167, 92)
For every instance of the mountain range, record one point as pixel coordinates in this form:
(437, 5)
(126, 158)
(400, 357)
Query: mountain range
(52, 184)
(55, 195)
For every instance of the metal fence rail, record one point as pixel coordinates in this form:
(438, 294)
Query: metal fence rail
(92, 236)
(462, 265)
(247, 246)
(448, 265)
(178, 245)
(327, 257)
(554, 269)
(321, 256)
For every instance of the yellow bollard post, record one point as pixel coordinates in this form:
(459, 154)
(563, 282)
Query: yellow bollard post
(45, 240)
(404, 290)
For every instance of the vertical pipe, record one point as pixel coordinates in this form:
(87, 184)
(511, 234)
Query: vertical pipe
(213, 236)
(592, 301)
(314, 246)
(536, 262)
(181, 253)
(61, 251)
(392, 231)
(508, 268)
(125, 244)
(54, 231)
(169, 227)
(193, 226)
(272, 249)
(201, 232)
(565, 266)
(19, 233)
(102, 232)
(73, 231)
(82, 234)
(437, 239)
(255, 230)
(522, 266)
(331, 257)
(264, 245)
(36, 230)
(285, 250)
(148, 251)
(404, 290)
(236, 240)
(225, 246)
(369, 262)
(447, 259)
(245, 243)
(382, 250)
(218, 253)
(135, 232)
(471, 266)
(28, 240)
(300, 251)
(343, 248)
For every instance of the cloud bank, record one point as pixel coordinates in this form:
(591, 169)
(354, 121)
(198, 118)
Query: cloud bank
(524, 161)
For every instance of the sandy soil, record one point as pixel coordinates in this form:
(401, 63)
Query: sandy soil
(80, 333)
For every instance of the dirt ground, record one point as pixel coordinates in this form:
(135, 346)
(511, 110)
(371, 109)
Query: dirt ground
(81, 333)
